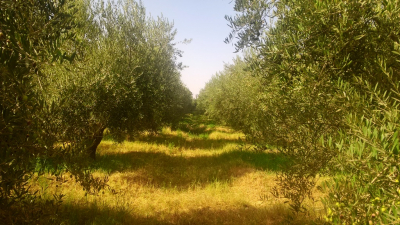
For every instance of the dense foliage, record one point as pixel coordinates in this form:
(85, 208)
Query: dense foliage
(127, 78)
(231, 97)
(329, 72)
(30, 37)
(69, 70)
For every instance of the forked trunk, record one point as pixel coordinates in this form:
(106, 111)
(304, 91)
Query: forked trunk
(97, 137)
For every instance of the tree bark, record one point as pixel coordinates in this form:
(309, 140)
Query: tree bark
(97, 137)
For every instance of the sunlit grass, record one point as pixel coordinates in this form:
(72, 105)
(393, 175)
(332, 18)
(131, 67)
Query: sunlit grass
(181, 177)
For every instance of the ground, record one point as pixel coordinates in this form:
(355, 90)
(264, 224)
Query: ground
(198, 173)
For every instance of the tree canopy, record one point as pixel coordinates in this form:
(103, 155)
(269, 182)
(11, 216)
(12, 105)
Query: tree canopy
(328, 99)
(68, 71)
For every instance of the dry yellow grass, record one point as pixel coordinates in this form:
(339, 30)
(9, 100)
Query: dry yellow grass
(179, 178)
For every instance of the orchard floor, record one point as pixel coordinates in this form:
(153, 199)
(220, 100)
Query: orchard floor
(198, 174)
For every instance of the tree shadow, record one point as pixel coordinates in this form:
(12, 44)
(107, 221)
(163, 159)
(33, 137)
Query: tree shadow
(72, 214)
(168, 171)
(179, 141)
(92, 213)
(195, 125)
(193, 129)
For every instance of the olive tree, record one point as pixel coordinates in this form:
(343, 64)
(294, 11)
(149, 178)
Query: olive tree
(307, 53)
(30, 36)
(128, 78)
(67, 71)
(233, 96)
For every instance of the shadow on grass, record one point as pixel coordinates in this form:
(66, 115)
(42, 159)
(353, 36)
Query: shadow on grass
(162, 170)
(181, 142)
(196, 125)
(241, 214)
(193, 129)
(72, 214)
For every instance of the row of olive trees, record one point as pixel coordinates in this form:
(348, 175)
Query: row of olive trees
(127, 78)
(69, 70)
(231, 97)
(329, 73)
(30, 36)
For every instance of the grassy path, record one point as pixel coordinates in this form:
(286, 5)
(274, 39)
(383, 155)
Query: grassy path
(196, 174)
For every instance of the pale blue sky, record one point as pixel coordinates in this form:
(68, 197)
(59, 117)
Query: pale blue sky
(204, 22)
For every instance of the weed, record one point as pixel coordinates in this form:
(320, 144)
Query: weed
(210, 126)
(203, 136)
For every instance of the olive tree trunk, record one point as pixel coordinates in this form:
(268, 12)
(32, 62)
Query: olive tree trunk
(97, 137)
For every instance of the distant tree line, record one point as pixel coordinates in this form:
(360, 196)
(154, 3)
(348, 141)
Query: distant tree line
(68, 71)
(319, 82)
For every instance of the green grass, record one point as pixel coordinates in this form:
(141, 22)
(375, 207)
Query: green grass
(199, 173)
(179, 171)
